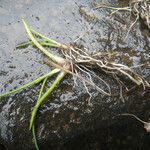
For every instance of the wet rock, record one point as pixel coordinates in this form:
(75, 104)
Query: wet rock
(66, 120)
(142, 8)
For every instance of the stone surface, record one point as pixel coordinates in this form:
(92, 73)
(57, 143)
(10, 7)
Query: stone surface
(66, 121)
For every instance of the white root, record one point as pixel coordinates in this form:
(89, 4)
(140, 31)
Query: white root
(80, 60)
(146, 124)
(140, 8)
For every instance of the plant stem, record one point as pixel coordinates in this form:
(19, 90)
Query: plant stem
(43, 98)
(61, 46)
(54, 71)
(46, 38)
(34, 137)
(42, 42)
(33, 126)
(53, 57)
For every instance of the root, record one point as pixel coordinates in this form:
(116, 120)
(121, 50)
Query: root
(81, 60)
(146, 124)
(139, 8)
(113, 8)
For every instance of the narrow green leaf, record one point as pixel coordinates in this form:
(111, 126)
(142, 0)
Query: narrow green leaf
(33, 126)
(34, 137)
(42, 42)
(53, 57)
(43, 98)
(31, 83)
(46, 38)
(24, 44)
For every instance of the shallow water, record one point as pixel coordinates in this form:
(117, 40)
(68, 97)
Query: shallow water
(66, 121)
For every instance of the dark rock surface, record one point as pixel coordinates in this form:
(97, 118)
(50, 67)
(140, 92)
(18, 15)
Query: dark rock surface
(66, 121)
